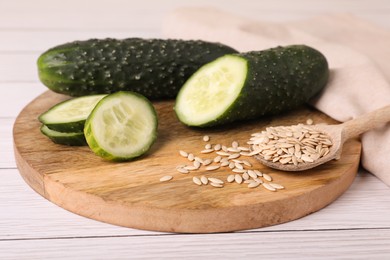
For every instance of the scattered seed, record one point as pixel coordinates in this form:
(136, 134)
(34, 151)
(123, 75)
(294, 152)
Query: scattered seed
(191, 168)
(223, 153)
(166, 178)
(238, 166)
(207, 151)
(215, 180)
(216, 185)
(252, 174)
(183, 170)
(267, 177)
(198, 159)
(196, 181)
(233, 150)
(217, 147)
(217, 159)
(253, 184)
(204, 180)
(183, 154)
(234, 156)
(276, 185)
(243, 149)
(224, 163)
(230, 178)
(258, 173)
(258, 180)
(212, 167)
(206, 138)
(247, 163)
(238, 170)
(191, 157)
(196, 164)
(245, 176)
(207, 146)
(268, 187)
(234, 144)
(309, 121)
(207, 162)
(238, 178)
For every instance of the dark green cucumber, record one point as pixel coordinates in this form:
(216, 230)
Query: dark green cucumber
(155, 68)
(250, 85)
(73, 139)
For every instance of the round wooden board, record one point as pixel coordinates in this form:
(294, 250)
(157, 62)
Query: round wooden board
(130, 194)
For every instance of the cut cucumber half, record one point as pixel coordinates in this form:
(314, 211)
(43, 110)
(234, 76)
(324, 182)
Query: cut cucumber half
(70, 115)
(122, 126)
(211, 91)
(73, 139)
(250, 85)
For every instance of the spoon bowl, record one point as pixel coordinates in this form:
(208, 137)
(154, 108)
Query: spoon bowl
(338, 134)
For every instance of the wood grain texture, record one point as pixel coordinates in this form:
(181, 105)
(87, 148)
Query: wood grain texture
(130, 194)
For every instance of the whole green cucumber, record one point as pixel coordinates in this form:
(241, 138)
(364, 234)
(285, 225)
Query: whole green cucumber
(250, 85)
(155, 68)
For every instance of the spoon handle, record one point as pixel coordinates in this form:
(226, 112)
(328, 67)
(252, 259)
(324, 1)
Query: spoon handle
(361, 124)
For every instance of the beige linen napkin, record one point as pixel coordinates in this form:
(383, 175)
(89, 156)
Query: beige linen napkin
(358, 54)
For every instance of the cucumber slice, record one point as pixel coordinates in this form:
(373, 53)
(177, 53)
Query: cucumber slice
(122, 126)
(70, 115)
(73, 139)
(249, 85)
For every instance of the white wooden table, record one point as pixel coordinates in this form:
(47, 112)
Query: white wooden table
(356, 226)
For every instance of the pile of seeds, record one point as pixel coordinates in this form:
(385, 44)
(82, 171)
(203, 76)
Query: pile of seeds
(224, 157)
(290, 144)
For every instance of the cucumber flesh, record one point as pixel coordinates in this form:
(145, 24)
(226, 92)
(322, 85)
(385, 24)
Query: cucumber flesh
(211, 90)
(73, 139)
(70, 115)
(122, 126)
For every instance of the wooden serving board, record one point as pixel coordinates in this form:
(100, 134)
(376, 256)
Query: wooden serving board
(130, 194)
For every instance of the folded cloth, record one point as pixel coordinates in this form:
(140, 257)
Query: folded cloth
(357, 52)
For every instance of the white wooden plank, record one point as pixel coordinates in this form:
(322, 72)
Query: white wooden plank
(366, 205)
(18, 67)
(27, 41)
(18, 200)
(116, 14)
(334, 244)
(15, 96)
(7, 159)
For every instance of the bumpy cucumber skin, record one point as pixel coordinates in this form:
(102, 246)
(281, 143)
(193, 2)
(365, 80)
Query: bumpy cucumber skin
(71, 139)
(278, 80)
(94, 144)
(155, 68)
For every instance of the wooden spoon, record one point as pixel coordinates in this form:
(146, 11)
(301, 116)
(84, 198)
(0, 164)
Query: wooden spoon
(338, 134)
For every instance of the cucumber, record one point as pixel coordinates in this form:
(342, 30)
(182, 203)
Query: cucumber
(70, 115)
(73, 139)
(155, 68)
(249, 85)
(122, 126)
